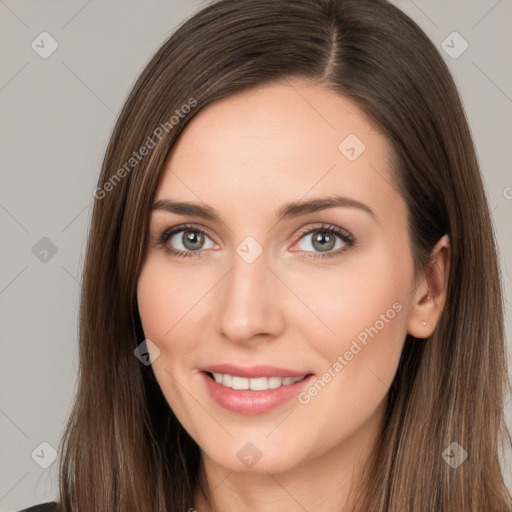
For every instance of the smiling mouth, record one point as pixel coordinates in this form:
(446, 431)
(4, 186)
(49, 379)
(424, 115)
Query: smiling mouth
(255, 383)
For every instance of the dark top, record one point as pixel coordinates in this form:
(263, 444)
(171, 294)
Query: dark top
(50, 506)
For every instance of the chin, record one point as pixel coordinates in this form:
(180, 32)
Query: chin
(256, 456)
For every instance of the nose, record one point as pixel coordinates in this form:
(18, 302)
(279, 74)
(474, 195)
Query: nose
(249, 305)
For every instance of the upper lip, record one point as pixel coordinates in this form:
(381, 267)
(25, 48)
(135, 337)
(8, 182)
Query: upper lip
(253, 371)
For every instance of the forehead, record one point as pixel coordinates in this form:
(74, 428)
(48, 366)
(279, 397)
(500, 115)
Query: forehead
(277, 143)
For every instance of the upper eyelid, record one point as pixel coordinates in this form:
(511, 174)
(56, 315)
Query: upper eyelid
(326, 226)
(184, 227)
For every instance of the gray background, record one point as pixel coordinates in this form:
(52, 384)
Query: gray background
(56, 117)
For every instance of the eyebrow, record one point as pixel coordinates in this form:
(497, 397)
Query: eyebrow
(287, 211)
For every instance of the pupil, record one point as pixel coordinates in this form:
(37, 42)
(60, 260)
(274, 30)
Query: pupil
(325, 240)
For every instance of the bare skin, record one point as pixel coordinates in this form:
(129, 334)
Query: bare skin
(294, 306)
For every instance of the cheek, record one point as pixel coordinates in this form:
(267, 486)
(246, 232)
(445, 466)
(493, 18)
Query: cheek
(155, 302)
(359, 367)
(164, 300)
(163, 305)
(373, 309)
(365, 296)
(365, 307)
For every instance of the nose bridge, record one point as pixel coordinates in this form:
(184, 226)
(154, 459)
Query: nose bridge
(249, 302)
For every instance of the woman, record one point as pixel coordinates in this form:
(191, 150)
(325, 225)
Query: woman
(291, 295)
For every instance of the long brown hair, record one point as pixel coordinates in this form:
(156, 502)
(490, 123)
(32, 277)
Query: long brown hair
(123, 448)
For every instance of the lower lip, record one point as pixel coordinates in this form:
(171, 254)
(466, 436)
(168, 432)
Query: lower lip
(251, 402)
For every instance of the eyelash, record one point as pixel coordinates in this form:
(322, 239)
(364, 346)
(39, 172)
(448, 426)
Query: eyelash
(345, 236)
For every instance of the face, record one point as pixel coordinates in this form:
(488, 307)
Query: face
(288, 272)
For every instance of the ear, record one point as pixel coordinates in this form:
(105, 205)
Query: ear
(430, 292)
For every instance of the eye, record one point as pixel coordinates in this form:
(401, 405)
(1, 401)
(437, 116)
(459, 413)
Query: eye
(183, 241)
(325, 239)
(189, 241)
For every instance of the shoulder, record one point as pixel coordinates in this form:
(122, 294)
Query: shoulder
(50, 506)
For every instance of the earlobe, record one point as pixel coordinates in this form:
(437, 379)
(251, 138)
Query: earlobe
(430, 293)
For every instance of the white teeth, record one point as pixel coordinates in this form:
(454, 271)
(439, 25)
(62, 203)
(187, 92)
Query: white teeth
(240, 383)
(255, 384)
(274, 382)
(259, 384)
